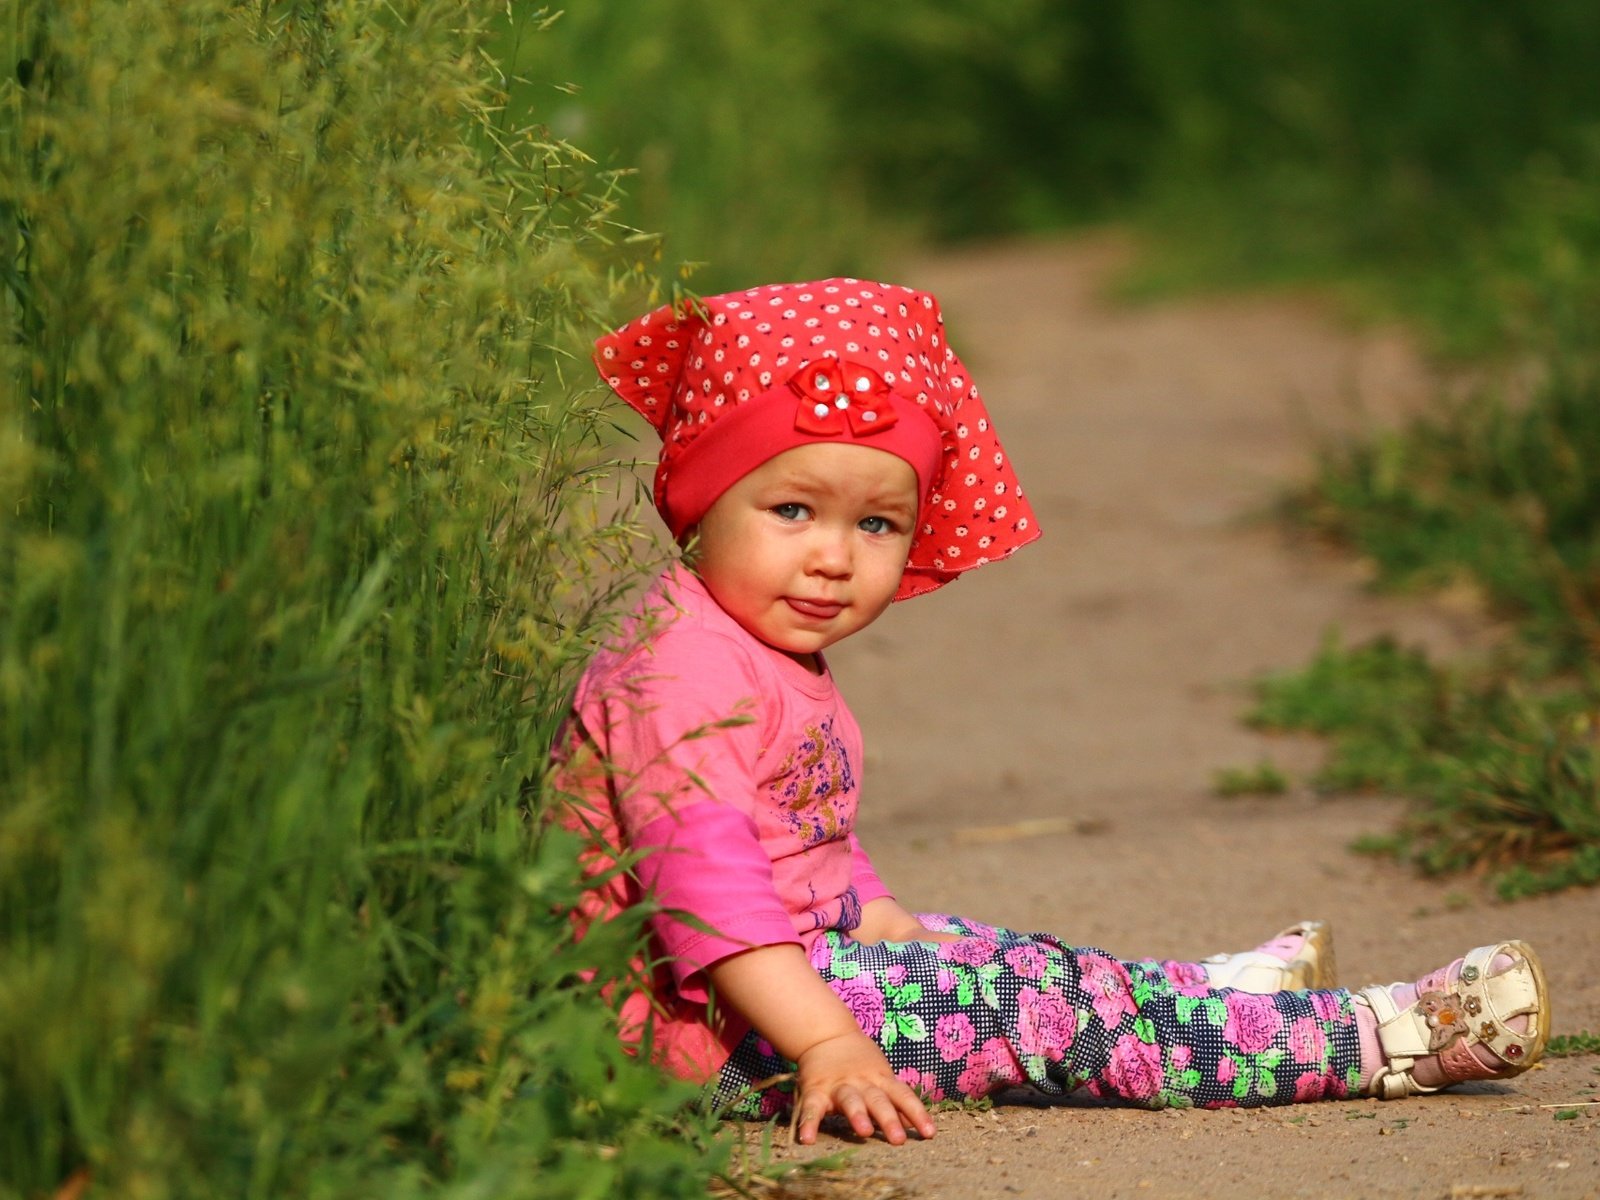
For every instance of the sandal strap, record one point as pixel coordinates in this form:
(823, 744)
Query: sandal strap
(1490, 1001)
(1448, 1020)
(1399, 1042)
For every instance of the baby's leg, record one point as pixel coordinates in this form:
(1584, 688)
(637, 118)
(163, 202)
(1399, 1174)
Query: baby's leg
(997, 1009)
(1148, 1033)
(1484, 1016)
(1160, 1036)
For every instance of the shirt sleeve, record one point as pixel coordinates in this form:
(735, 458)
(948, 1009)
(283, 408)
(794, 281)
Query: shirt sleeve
(863, 876)
(713, 882)
(684, 738)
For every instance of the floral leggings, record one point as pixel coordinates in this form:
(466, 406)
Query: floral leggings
(998, 1009)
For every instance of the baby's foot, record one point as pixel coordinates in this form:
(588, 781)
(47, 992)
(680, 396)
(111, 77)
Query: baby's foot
(1485, 1016)
(1301, 956)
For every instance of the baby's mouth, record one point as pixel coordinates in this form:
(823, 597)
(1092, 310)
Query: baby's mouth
(820, 609)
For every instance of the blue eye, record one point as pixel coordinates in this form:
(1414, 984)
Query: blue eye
(791, 512)
(877, 525)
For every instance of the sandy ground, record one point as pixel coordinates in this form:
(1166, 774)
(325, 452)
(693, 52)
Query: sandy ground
(1042, 736)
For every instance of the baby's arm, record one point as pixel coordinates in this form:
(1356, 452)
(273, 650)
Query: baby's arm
(883, 920)
(841, 1069)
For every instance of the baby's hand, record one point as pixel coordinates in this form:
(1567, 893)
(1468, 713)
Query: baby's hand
(849, 1075)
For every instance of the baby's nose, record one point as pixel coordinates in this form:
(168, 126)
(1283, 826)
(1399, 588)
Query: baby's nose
(830, 555)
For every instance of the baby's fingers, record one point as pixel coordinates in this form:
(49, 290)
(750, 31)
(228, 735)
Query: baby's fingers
(808, 1113)
(911, 1108)
(871, 1109)
(866, 1109)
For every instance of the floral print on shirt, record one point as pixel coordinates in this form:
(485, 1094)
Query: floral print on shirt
(814, 789)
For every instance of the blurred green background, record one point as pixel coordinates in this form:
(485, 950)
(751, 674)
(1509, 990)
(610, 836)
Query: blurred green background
(1444, 158)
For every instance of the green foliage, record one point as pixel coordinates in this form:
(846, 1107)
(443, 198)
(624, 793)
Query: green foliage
(797, 140)
(1391, 714)
(1505, 780)
(302, 541)
(1440, 160)
(719, 111)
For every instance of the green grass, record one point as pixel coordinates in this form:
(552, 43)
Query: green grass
(1503, 495)
(1571, 1045)
(1504, 776)
(1500, 497)
(304, 538)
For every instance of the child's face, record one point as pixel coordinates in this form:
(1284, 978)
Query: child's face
(809, 547)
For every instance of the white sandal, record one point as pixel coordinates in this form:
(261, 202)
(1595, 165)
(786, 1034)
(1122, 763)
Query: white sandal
(1453, 1014)
(1263, 973)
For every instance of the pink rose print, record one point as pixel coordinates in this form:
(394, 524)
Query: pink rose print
(895, 975)
(924, 1083)
(1106, 980)
(953, 1035)
(1045, 1023)
(1253, 1021)
(1135, 1069)
(865, 1002)
(1027, 961)
(1226, 1069)
(1187, 979)
(969, 951)
(1309, 1086)
(1181, 1057)
(992, 1065)
(1327, 1007)
(1306, 1041)
(946, 979)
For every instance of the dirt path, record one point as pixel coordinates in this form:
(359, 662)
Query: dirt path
(1094, 684)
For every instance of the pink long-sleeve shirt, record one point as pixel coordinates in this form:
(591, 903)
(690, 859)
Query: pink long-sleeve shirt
(734, 773)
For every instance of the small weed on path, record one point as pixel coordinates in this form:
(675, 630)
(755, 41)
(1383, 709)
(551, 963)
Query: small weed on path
(1263, 779)
(1572, 1044)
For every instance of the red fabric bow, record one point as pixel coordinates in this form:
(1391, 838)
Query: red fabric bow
(834, 393)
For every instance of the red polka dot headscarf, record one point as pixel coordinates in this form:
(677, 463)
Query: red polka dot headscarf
(733, 381)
